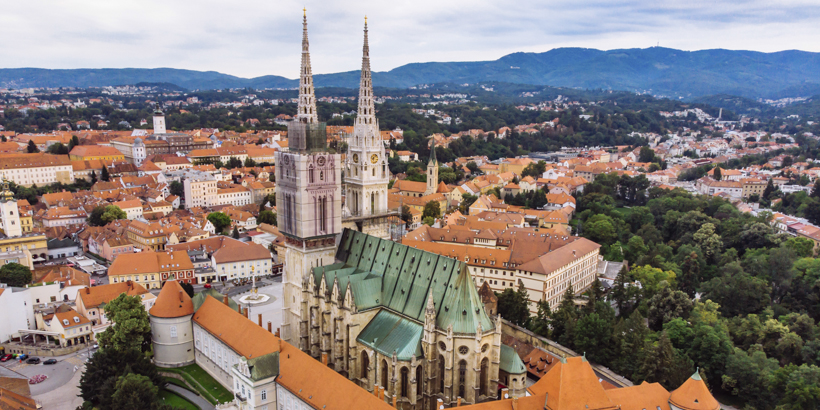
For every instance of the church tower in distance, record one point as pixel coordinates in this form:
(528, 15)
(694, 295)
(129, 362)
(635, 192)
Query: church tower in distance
(308, 196)
(366, 172)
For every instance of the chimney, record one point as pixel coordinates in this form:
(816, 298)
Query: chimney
(505, 394)
(180, 296)
(260, 320)
(376, 390)
(439, 404)
(225, 300)
(458, 401)
(270, 327)
(515, 403)
(87, 291)
(324, 358)
(381, 393)
(278, 333)
(394, 402)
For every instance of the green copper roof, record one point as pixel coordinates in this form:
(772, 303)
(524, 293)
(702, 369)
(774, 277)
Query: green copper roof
(264, 367)
(199, 299)
(510, 362)
(389, 332)
(384, 273)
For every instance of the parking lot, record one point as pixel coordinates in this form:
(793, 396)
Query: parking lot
(57, 374)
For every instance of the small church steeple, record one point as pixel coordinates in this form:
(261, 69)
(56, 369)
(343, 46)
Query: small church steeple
(432, 172)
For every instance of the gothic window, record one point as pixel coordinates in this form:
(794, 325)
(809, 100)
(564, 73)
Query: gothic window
(365, 365)
(405, 384)
(374, 171)
(310, 174)
(384, 373)
(321, 175)
(441, 374)
(418, 379)
(462, 375)
(484, 377)
(463, 350)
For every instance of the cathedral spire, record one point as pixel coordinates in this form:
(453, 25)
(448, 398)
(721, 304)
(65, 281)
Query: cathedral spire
(367, 108)
(306, 112)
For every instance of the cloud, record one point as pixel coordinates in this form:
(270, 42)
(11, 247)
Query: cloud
(253, 37)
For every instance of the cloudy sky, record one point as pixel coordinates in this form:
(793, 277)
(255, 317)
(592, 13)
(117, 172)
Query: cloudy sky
(250, 38)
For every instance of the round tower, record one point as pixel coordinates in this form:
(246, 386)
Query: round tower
(172, 332)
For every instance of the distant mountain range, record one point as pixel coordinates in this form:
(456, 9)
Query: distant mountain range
(658, 71)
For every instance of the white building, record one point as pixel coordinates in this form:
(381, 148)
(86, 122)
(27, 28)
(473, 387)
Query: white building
(171, 331)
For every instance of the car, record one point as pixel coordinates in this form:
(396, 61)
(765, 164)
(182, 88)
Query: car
(95, 346)
(207, 286)
(50, 361)
(22, 356)
(33, 360)
(6, 357)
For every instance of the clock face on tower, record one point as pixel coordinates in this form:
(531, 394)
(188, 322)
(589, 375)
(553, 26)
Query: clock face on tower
(374, 158)
(355, 158)
(321, 161)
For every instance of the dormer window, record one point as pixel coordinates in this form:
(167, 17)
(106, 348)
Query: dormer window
(76, 319)
(65, 322)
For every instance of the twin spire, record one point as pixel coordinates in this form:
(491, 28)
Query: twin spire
(306, 111)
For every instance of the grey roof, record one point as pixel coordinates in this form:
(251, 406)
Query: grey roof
(389, 332)
(510, 362)
(199, 299)
(264, 367)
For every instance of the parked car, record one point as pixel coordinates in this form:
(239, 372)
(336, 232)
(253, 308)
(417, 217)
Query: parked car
(22, 356)
(207, 286)
(50, 361)
(33, 360)
(6, 357)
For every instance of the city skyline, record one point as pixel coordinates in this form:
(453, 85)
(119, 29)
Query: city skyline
(260, 39)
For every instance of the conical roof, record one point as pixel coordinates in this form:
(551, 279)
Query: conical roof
(694, 395)
(172, 301)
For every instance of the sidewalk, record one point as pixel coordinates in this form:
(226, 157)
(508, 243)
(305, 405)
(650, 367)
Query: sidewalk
(198, 400)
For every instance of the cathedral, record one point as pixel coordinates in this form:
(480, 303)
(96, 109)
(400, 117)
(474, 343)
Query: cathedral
(397, 321)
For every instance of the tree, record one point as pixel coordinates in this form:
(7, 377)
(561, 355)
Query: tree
(472, 166)
(747, 375)
(73, 143)
(219, 220)
(709, 242)
(112, 213)
(177, 188)
(267, 217)
(690, 275)
(15, 274)
(467, 200)
(535, 169)
(428, 220)
(57, 149)
(513, 305)
(663, 364)
(717, 174)
(565, 318)
(32, 147)
(98, 381)
(432, 209)
(249, 163)
(737, 292)
(235, 233)
(131, 329)
(667, 305)
(95, 217)
(134, 392)
(188, 288)
(625, 294)
(769, 190)
(646, 154)
(93, 177)
(105, 176)
(406, 215)
(630, 338)
(652, 278)
(593, 338)
(540, 323)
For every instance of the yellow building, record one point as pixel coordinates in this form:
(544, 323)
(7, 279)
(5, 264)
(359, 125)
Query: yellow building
(92, 152)
(752, 186)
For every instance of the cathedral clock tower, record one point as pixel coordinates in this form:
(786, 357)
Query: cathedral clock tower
(366, 172)
(308, 196)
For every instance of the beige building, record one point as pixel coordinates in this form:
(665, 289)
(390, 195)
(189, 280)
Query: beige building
(753, 186)
(236, 196)
(171, 332)
(91, 300)
(40, 169)
(200, 190)
(71, 327)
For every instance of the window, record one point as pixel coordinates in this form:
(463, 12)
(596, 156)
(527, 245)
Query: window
(264, 394)
(76, 319)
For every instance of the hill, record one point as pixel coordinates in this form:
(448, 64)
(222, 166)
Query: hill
(657, 71)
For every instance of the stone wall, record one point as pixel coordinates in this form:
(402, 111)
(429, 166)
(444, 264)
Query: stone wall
(41, 351)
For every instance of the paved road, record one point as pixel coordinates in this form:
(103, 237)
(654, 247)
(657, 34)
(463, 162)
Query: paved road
(199, 401)
(64, 397)
(58, 374)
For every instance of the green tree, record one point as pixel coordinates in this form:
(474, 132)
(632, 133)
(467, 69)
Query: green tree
(267, 217)
(105, 176)
(540, 323)
(235, 233)
(93, 177)
(717, 174)
(134, 392)
(15, 274)
(565, 318)
(651, 278)
(177, 188)
(513, 305)
(432, 209)
(467, 200)
(690, 275)
(32, 148)
(630, 339)
(593, 338)
(799, 387)
(708, 241)
(95, 217)
(73, 142)
(666, 305)
(428, 220)
(748, 375)
(625, 294)
(131, 329)
(472, 166)
(220, 221)
(98, 381)
(112, 213)
(57, 149)
(769, 190)
(664, 364)
(601, 229)
(646, 154)
(406, 215)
